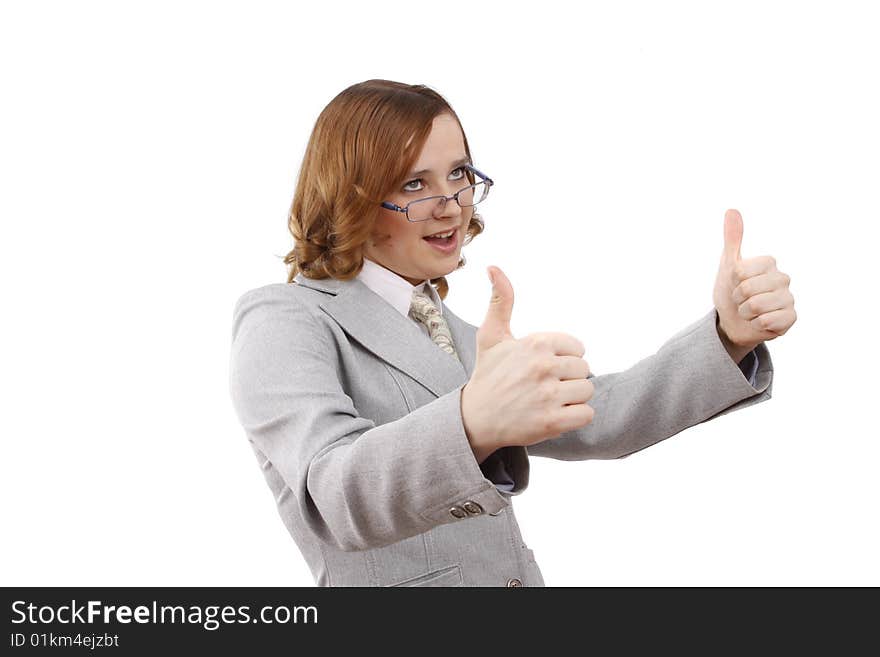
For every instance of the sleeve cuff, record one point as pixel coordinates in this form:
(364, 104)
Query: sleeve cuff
(493, 469)
(749, 366)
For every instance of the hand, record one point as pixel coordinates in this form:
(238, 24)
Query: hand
(522, 391)
(751, 296)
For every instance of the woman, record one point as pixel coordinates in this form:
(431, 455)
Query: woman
(392, 433)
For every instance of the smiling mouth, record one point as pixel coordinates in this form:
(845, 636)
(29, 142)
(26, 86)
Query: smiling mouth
(443, 242)
(442, 234)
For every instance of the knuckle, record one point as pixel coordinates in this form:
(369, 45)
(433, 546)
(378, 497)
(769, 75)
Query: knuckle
(550, 425)
(540, 368)
(536, 341)
(546, 393)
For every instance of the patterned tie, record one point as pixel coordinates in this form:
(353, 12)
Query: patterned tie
(423, 310)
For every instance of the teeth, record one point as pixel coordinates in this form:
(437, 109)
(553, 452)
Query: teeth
(447, 234)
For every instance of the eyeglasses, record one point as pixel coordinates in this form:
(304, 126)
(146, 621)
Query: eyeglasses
(425, 208)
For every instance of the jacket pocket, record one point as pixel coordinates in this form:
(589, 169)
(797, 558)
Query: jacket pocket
(448, 576)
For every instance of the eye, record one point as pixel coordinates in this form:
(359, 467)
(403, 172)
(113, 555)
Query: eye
(415, 185)
(416, 181)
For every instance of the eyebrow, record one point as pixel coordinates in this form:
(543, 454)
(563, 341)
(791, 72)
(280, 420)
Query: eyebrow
(459, 162)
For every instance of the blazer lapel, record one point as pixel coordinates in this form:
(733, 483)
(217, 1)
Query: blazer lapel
(376, 325)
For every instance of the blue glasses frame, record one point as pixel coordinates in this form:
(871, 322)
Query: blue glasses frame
(454, 197)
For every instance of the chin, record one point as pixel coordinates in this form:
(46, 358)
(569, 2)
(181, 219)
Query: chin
(446, 272)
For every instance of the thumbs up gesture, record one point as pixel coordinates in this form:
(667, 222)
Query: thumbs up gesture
(522, 391)
(751, 295)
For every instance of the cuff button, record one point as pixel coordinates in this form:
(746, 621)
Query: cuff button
(473, 508)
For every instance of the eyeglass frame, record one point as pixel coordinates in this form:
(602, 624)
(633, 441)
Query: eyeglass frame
(388, 205)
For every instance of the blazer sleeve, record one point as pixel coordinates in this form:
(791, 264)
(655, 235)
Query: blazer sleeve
(357, 485)
(689, 380)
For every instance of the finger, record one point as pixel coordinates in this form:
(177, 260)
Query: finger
(496, 324)
(767, 282)
(560, 344)
(570, 367)
(576, 391)
(764, 303)
(733, 235)
(573, 416)
(749, 267)
(777, 321)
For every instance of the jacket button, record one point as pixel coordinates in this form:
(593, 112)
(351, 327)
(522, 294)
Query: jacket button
(458, 512)
(514, 582)
(473, 507)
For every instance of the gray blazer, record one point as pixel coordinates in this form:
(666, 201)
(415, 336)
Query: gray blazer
(354, 417)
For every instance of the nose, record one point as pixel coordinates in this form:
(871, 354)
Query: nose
(448, 209)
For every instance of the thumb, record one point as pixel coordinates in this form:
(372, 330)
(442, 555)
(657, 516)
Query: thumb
(733, 236)
(496, 325)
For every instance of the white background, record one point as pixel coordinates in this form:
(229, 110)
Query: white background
(148, 155)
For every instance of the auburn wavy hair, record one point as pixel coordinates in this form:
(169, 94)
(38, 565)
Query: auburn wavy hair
(362, 146)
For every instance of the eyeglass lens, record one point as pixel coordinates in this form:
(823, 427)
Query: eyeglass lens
(426, 208)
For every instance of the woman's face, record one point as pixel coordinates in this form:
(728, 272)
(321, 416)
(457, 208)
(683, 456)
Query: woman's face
(399, 244)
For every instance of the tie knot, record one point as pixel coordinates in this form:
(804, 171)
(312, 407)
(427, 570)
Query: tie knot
(423, 310)
(422, 307)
